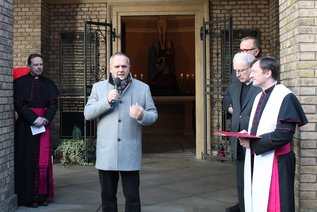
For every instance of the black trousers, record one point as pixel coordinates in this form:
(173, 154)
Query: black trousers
(130, 185)
(240, 176)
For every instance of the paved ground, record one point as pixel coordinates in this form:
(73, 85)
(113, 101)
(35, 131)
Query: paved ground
(170, 182)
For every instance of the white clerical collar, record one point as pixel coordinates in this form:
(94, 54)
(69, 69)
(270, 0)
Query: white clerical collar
(273, 84)
(269, 87)
(249, 82)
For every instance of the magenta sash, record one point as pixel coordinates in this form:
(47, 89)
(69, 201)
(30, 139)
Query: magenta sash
(274, 204)
(45, 160)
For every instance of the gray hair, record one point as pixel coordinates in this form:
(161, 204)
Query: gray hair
(119, 54)
(243, 57)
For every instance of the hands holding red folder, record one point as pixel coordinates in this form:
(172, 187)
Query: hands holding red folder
(245, 142)
(243, 136)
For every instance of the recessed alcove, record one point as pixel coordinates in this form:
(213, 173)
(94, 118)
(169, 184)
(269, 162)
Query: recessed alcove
(169, 68)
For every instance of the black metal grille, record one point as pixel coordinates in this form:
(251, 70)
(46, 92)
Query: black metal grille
(218, 49)
(98, 41)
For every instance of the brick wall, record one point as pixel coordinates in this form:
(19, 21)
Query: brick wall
(298, 36)
(292, 38)
(246, 16)
(31, 31)
(68, 18)
(7, 196)
(45, 34)
(27, 30)
(274, 41)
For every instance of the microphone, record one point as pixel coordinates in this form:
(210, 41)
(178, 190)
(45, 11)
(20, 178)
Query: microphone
(116, 82)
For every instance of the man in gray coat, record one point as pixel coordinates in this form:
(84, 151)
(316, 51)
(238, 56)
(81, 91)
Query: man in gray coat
(121, 105)
(241, 94)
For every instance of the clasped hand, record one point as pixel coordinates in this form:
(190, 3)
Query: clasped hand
(40, 121)
(230, 110)
(136, 111)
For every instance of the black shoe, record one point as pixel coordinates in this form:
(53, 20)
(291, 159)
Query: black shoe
(32, 205)
(234, 208)
(43, 203)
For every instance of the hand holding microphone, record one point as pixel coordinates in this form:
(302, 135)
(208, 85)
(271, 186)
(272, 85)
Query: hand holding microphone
(114, 95)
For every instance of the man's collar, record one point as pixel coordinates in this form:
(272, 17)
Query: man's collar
(249, 82)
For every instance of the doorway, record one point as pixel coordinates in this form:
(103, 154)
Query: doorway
(198, 11)
(162, 54)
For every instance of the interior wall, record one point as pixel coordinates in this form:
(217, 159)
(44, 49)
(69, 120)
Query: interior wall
(141, 33)
(140, 41)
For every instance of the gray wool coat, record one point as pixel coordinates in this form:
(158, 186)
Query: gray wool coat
(119, 136)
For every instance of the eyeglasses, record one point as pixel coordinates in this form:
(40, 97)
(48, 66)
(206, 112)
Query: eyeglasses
(242, 70)
(247, 50)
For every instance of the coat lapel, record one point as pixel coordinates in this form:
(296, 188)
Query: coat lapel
(251, 94)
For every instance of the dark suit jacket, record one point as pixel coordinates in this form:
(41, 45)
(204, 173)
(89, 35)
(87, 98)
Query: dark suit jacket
(241, 113)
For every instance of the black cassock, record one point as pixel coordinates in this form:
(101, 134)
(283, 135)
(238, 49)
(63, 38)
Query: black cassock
(290, 115)
(31, 92)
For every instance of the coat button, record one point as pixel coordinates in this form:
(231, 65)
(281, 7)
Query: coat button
(119, 120)
(119, 139)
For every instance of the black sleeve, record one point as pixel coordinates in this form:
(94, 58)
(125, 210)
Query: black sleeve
(227, 101)
(22, 100)
(282, 135)
(292, 111)
(52, 102)
(290, 115)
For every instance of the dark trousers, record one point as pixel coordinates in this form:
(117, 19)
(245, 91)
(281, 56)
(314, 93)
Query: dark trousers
(240, 176)
(240, 183)
(130, 185)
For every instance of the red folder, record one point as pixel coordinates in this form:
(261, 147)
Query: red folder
(236, 134)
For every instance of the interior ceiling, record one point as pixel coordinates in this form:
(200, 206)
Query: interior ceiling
(156, 17)
(173, 21)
